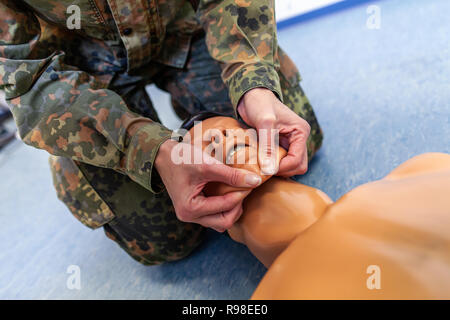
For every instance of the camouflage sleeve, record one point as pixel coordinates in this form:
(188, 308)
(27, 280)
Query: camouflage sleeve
(66, 111)
(242, 35)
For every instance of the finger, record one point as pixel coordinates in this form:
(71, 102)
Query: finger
(267, 147)
(294, 156)
(234, 177)
(301, 169)
(211, 205)
(295, 162)
(221, 221)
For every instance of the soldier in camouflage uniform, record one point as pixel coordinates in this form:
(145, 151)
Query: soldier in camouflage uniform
(80, 95)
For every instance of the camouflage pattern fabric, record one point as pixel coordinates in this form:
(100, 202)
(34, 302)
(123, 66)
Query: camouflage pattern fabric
(79, 94)
(78, 195)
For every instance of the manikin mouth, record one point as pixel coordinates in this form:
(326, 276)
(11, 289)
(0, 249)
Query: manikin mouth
(232, 151)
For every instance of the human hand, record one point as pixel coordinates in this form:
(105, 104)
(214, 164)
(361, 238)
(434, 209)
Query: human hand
(261, 109)
(185, 182)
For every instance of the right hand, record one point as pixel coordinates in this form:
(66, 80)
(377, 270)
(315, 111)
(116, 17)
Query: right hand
(185, 181)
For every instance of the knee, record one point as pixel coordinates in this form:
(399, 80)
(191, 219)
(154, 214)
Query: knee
(314, 141)
(151, 251)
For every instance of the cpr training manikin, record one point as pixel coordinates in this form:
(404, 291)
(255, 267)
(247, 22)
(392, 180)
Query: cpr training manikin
(387, 239)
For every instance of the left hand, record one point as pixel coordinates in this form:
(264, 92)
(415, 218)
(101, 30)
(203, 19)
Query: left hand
(261, 109)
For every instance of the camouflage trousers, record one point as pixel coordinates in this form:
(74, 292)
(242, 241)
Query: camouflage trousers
(140, 222)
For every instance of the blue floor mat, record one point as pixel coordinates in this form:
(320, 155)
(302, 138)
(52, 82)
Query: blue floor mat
(381, 97)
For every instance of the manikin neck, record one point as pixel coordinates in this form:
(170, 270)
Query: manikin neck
(275, 214)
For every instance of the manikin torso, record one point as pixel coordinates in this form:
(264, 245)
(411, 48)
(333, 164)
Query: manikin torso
(389, 239)
(383, 240)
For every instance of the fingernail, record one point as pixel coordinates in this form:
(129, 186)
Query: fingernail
(252, 180)
(268, 167)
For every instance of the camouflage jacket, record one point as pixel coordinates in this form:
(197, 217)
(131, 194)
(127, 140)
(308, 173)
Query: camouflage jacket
(55, 79)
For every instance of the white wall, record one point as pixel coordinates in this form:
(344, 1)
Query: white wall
(289, 8)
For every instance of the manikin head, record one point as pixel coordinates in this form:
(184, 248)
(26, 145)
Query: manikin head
(230, 142)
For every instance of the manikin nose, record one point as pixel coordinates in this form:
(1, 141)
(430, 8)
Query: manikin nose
(218, 138)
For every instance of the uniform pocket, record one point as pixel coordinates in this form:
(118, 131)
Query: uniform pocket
(73, 189)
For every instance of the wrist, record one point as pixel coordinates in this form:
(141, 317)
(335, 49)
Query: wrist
(256, 96)
(163, 157)
(256, 103)
(258, 93)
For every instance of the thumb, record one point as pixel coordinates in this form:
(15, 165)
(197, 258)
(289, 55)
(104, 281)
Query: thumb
(268, 147)
(240, 178)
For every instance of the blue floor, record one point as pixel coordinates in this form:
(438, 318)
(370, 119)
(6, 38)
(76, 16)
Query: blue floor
(381, 96)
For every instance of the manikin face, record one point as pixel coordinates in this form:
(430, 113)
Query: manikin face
(230, 142)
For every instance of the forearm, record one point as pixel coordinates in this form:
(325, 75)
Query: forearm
(66, 111)
(242, 35)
